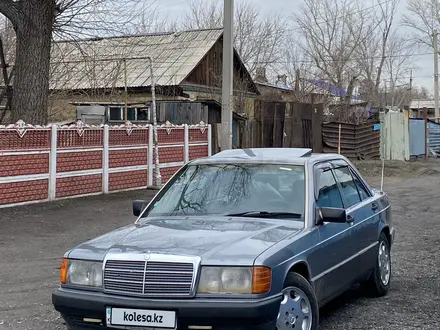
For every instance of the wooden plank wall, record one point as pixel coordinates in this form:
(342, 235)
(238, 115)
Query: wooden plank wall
(357, 141)
(180, 113)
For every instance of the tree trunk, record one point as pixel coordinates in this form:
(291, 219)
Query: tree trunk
(33, 44)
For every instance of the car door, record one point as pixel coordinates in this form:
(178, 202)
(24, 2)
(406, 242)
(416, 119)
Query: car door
(369, 228)
(363, 210)
(334, 264)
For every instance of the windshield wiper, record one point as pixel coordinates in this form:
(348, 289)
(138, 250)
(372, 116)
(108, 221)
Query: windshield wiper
(265, 214)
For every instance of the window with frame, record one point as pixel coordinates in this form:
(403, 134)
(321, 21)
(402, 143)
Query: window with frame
(363, 191)
(348, 187)
(117, 113)
(328, 194)
(131, 114)
(143, 114)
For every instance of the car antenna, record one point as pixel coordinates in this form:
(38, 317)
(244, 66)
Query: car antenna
(383, 170)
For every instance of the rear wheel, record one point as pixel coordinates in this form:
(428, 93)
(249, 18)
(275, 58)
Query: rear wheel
(379, 282)
(299, 307)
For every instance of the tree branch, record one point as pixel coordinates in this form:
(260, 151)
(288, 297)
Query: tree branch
(10, 9)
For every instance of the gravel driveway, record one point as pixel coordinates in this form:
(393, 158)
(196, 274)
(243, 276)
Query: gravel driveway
(34, 238)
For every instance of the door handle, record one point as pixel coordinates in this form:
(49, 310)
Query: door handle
(350, 218)
(374, 207)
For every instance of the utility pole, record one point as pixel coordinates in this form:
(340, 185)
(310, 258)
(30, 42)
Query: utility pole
(435, 44)
(227, 75)
(125, 91)
(158, 177)
(410, 90)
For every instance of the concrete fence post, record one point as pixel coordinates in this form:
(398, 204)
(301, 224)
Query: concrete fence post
(150, 155)
(106, 159)
(186, 144)
(53, 163)
(209, 140)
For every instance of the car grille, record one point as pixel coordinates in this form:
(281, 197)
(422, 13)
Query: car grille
(151, 278)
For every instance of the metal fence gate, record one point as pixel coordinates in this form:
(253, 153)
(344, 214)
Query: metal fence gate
(416, 136)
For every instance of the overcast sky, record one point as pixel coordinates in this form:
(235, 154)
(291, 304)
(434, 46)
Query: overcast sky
(423, 75)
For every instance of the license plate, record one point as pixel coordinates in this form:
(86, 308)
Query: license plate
(144, 318)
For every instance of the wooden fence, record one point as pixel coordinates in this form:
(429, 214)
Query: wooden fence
(289, 125)
(357, 141)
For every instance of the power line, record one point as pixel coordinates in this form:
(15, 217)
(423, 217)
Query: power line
(259, 36)
(298, 28)
(342, 16)
(86, 59)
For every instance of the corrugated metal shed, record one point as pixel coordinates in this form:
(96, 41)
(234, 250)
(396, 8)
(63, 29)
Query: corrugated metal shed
(97, 63)
(434, 136)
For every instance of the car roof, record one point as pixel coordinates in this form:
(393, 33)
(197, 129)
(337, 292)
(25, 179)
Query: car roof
(294, 156)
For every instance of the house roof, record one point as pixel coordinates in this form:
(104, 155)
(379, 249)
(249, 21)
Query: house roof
(98, 62)
(279, 86)
(420, 104)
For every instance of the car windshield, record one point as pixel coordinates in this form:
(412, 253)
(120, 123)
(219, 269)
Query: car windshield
(235, 190)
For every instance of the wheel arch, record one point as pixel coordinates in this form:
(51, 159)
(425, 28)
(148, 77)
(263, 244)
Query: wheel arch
(302, 268)
(386, 230)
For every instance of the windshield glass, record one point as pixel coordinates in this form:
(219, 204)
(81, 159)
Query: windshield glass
(234, 189)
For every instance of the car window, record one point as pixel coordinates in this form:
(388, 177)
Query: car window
(233, 188)
(348, 187)
(327, 190)
(361, 187)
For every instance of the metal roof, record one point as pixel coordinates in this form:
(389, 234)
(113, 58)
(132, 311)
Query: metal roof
(97, 63)
(420, 104)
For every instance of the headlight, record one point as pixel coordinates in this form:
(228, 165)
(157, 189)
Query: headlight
(83, 273)
(233, 280)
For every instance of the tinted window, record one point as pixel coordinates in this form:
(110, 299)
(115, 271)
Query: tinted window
(348, 187)
(131, 114)
(143, 114)
(115, 113)
(328, 191)
(362, 190)
(233, 188)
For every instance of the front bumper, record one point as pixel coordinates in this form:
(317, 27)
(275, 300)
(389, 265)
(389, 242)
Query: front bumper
(220, 314)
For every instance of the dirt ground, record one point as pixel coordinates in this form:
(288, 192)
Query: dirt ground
(34, 238)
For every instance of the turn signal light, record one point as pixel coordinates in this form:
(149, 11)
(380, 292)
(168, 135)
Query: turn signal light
(63, 271)
(261, 279)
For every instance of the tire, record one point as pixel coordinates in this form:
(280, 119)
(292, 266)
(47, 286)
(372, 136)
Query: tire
(378, 283)
(294, 308)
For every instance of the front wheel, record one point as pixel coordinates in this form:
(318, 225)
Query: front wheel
(299, 307)
(379, 282)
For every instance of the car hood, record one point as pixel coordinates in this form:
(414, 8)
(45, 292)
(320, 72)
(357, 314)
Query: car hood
(216, 240)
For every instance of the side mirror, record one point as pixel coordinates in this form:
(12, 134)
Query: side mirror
(332, 214)
(138, 207)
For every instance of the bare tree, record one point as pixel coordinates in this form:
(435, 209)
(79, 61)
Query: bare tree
(258, 41)
(203, 14)
(7, 52)
(351, 44)
(7, 35)
(398, 64)
(332, 32)
(301, 72)
(36, 22)
(372, 55)
(423, 17)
